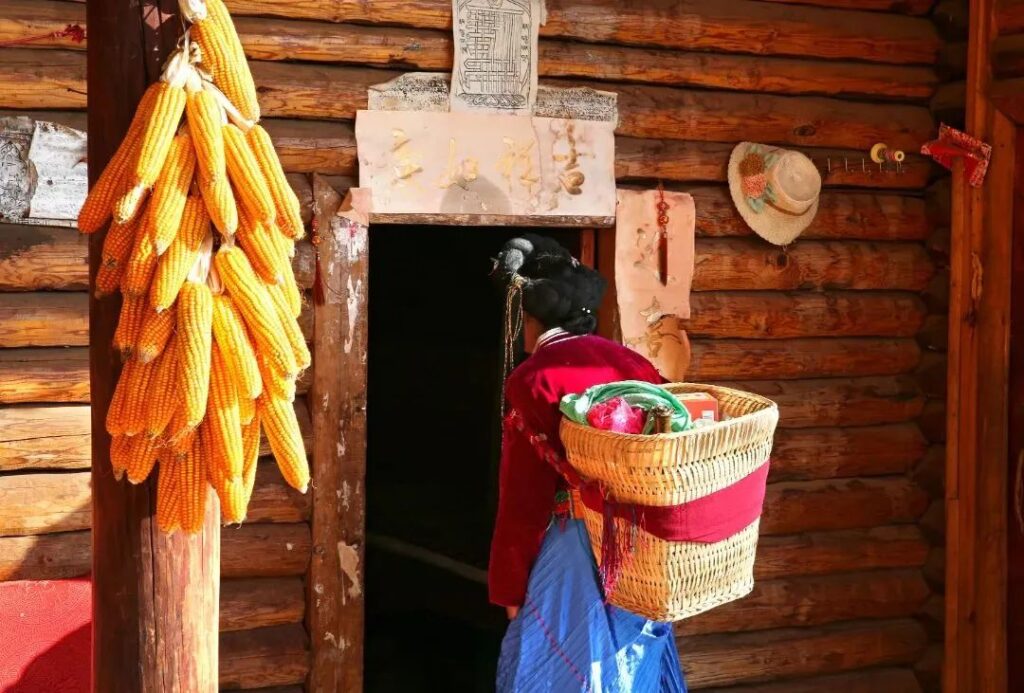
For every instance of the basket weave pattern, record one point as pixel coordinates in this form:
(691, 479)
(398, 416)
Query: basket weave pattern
(665, 580)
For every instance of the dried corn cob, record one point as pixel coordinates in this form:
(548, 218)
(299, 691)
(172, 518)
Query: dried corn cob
(129, 325)
(285, 437)
(206, 121)
(171, 192)
(247, 177)
(257, 242)
(231, 491)
(275, 383)
(230, 334)
(168, 495)
(144, 453)
(177, 262)
(118, 243)
(164, 393)
(108, 279)
(192, 478)
(224, 58)
(194, 327)
(220, 203)
(136, 378)
(120, 454)
(251, 456)
(138, 274)
(115, 411)
(156, 331)
(256, 308)
(179, 434)
(289, 211)
(291, 326)
(223, 418)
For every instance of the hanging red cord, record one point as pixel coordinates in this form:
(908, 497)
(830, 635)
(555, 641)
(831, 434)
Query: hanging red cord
(75, 32)
(662, 235)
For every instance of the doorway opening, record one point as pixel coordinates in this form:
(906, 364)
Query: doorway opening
(433, 447)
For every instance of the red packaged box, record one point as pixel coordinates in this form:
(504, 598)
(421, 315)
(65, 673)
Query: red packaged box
(701, 405)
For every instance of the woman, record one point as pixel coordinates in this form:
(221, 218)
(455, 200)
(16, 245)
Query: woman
(562, 636)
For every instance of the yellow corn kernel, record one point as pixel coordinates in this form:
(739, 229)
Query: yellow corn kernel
(224, 59)
(141, 263)
(118, 243)
(291, 327)
(168, 494)
(144, 453)
(115, 179)
(275, 383)
(108, 279)
(251, 455)
(120, 454)
(205, 121)
(289, 211)
(115, 411)
(231, 336)
(231, 491)
(168, 107)
(220, 203)
(129, 204)
(256, 307)
(246, 410)
(171, 192)
(247, 177)
(223, 418)
(256, 241)
(136, 379)
(195, 340)
(285, 437)
(129, 325)
(174, 265)
(163, 392)
(179, 434)
(156, 331)
(193, 477)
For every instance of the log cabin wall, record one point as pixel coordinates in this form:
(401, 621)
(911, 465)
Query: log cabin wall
(844, 329)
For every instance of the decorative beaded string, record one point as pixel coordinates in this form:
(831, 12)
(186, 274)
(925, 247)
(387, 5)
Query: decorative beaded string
(662, 208)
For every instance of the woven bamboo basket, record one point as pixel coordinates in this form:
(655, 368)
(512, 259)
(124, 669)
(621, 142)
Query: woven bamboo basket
(670, 581)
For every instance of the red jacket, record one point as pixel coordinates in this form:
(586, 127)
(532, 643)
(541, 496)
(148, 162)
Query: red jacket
(527, 485)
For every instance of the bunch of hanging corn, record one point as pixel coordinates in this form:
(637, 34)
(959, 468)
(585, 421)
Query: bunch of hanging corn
(202, 231)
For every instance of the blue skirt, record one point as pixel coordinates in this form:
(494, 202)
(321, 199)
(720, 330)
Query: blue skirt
(567, 639)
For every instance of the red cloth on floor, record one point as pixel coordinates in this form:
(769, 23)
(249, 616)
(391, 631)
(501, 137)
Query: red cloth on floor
(46, 642)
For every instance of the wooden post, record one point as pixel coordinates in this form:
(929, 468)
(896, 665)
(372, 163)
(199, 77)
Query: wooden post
(154, 597)
(338, 405)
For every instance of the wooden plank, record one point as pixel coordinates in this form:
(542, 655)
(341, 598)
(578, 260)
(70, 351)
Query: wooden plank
(338, 396)
(721, 660)
(805, 506)
(38, 79)
(786, 315)
(324, 147)
(43, 375)
(275, 656)
(815, 601)
(840, 402)
(1009, 16)
(739, 26)
(44, 437)
(265, 550)
(825, 553)
(724, 264)
(37, 258)
(44, 503)
(914, 7)
(260, 603)
(37, 20)
(827, 453)
(44, 319)
(729, 359)
(1008, 56)
(273, 500)
(870, 681)
(45, 557)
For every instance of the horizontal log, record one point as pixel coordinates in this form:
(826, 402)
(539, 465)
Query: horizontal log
(932, 421)
(273, 500)
(933, 522)
(45, 557)
(275, 656)
(829, 453)
(840, 402)
(928, 668)
(930, 473)
(788, 315)
(949, 102)
(934, 569)
(730, 659)
(913, 7)
(36, 20)
(314, 146)
(825, 553)
(815, 601)
(42, 79)
(44, 437)
(931, 375)
(43, 375)
(35, 258)
(952, 18)
(860, 216)
(934, 333)
(805, 506)
(1010, 16)
(265, 550)
(44, 319)
(756, 359)
(726, 264)
(870, 681)
(427, 50)
(260, 603)
(44, 503)
(737, 26)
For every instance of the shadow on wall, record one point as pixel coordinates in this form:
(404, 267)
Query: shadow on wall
(47, 636)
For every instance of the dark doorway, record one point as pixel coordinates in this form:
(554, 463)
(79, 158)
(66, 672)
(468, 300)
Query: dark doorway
(434, 438)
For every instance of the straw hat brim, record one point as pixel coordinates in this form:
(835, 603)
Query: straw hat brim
(770, 224)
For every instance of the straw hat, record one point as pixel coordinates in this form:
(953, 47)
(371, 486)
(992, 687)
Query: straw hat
(775, 190)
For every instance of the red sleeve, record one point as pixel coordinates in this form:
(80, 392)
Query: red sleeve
(526, 493)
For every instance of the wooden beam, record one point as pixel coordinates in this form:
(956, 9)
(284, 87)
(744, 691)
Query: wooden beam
(37, 20)
(913, 7)
(251, 603)
(275, 656)
(40, 258)
(757, 359)
(338, 396)
(44, 375)
(273, 500)
(815, 601)
(730, 659)
(45, 557)
(740, 26)
(44, 503)
(1009, 17)
(265, 550)
(893, 680)
(825, 553)
(826, 453)
(42, 79)
(44, 319)
(44, 437)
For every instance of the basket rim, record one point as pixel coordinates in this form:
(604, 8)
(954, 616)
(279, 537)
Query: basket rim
(767, 406)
